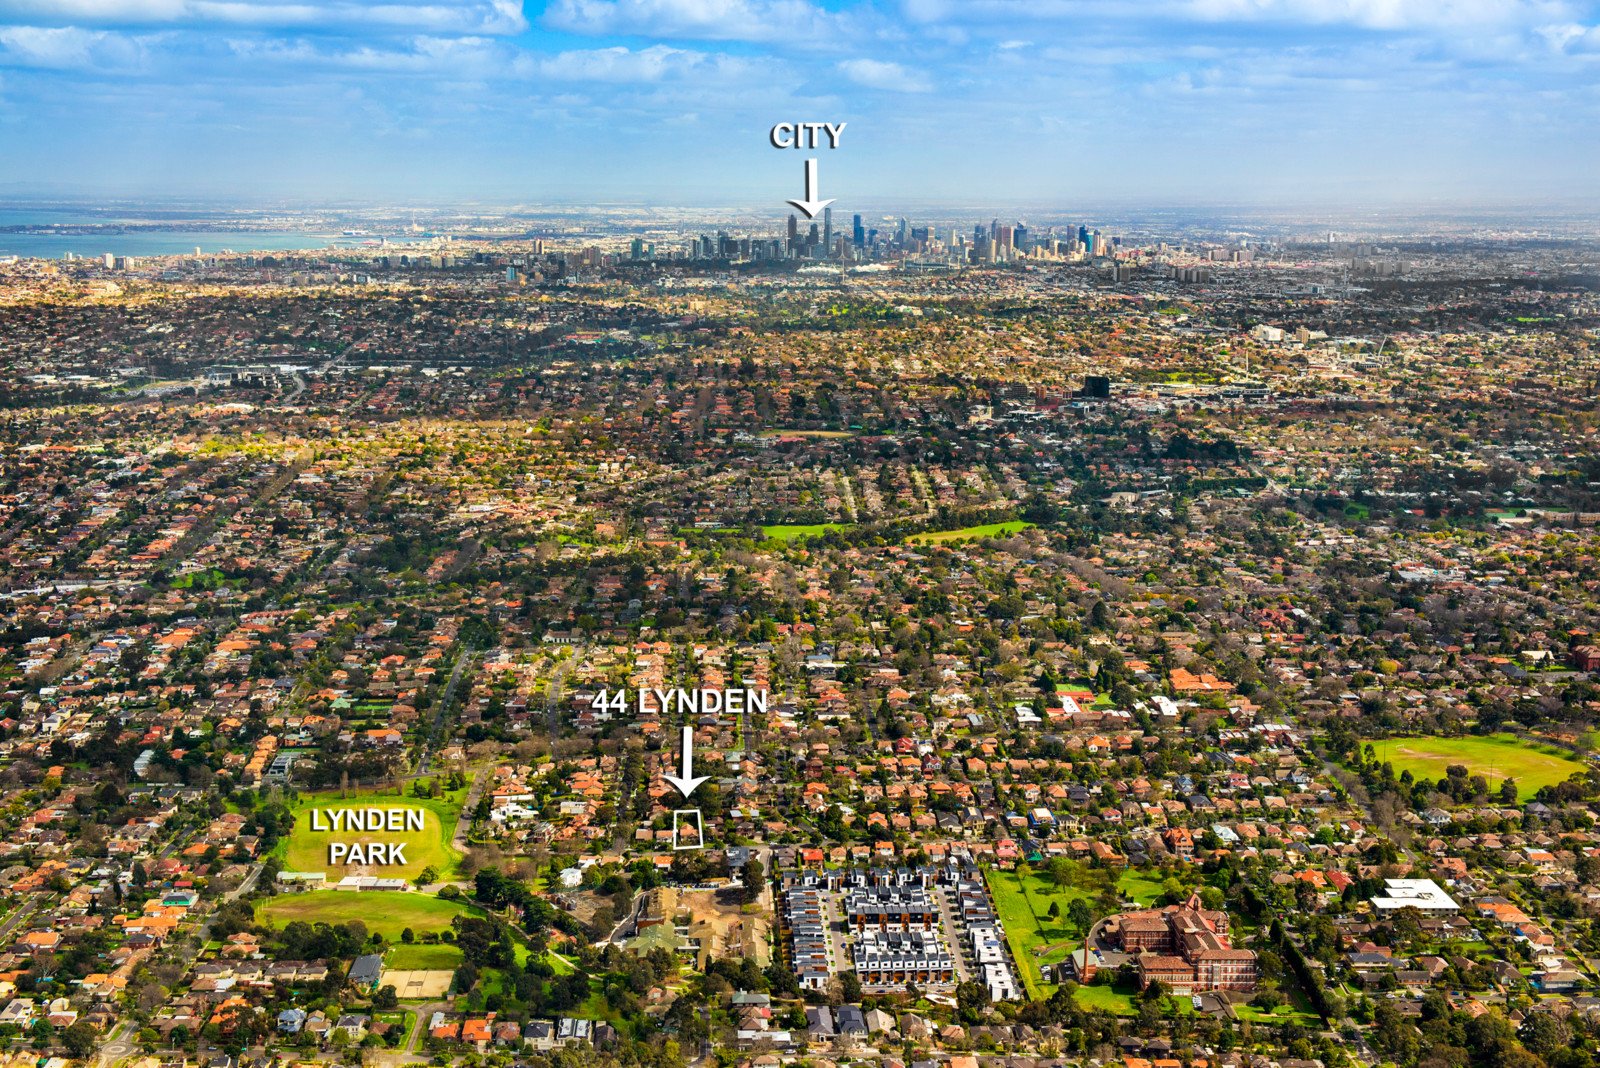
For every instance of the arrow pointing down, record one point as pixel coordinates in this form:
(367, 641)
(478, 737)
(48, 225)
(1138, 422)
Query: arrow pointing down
(811, 205)
(686, 783)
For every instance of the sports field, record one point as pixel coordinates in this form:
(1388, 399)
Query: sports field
(307, 849)
(988, 530)
(387, 912)
(1496, 757)
(791, 531)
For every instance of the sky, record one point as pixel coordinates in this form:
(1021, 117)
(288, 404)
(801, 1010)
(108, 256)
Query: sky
(1351, 103)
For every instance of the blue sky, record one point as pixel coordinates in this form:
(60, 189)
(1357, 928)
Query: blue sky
(1333, 102)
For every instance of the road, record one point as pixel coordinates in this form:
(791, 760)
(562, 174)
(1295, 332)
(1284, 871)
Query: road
(954, 929)
(116, 1045)
(552, 705)
(441, 708)
(244, 887)
(29, 906)
(620, 932)
(464, 818)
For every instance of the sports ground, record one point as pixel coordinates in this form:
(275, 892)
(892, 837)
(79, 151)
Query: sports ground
(307, 849)
(1496, 757)
(388, 912)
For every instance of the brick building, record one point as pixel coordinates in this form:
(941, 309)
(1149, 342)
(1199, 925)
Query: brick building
(1184, 947)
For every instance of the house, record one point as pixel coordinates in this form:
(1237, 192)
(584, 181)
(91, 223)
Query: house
(365, 970)
(18, 1011)
(1556, 980)
(879, 1022)
(540, 1034)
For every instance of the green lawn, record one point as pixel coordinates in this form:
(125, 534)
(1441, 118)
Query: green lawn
(1135, 886)
(419, 957)
(1023, 902)
(1107, 999)
(387, 912)
(1496, 757)
(1297, 1011)
(1281, 1015)
(988, 530)
(791, 531)
(307, 850)
(1101, 699)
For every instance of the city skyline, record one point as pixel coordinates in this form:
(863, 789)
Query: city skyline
(1339, 102)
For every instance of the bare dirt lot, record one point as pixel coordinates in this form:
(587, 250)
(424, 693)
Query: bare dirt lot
(418, 985)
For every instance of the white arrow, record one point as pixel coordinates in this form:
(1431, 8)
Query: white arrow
(811, 205)
(687, 783)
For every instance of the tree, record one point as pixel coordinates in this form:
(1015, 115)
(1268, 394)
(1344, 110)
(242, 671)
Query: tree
(754, 874)
(1079, 914)
(1544, 1033)
(408, 936)
(385, 997)
(79, 1039)
(972, 1001)
(427, 876)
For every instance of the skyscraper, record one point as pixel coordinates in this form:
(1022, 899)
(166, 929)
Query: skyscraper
(858, 233)
(827, 230)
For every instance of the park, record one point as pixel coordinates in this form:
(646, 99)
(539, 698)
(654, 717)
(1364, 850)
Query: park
(1496, 757)
(385, 912)
(329, 837)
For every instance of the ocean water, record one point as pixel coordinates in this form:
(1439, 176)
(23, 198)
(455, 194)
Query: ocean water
(163, 242)
(108, 237)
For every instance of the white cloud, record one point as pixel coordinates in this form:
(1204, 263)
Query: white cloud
(798, 22)
(484, 57)
(1382, 14)
(414, 16)
(880, 74)
(442, 56)
(1441, 15)
(652, 64)
(1572, 38)
(70, 48)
